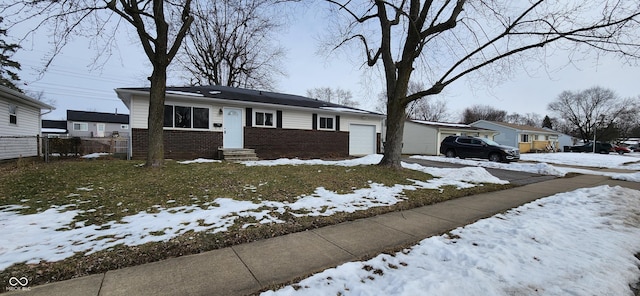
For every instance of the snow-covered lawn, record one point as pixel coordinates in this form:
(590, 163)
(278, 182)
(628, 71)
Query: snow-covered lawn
(52, 235)
(575, 243)
(579, 242)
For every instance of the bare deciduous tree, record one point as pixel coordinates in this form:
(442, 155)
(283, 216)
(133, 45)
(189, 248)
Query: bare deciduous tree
(592, 109)
(338, 96)
(232, 43)
(429, 109)
(101, 19)
(482, 112)
(448, 40)
(530, 119)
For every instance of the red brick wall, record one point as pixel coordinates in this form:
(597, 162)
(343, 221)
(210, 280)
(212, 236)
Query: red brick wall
(179, 144)
(268, 143)
(272, 143)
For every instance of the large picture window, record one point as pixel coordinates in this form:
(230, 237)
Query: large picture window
(186, 117)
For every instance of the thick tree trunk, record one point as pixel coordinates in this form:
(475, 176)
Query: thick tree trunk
(155, 155)
(396, 115)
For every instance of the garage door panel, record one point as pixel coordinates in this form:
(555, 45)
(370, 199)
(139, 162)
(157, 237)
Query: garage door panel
(362, 139)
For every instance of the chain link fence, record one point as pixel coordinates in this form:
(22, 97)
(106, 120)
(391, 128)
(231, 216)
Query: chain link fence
(118, 147)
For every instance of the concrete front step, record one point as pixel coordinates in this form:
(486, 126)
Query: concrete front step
(238, 154)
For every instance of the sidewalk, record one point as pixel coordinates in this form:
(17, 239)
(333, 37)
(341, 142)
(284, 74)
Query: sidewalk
(248, 268)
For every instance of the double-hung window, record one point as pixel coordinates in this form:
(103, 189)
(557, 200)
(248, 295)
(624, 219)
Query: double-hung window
(13, 114)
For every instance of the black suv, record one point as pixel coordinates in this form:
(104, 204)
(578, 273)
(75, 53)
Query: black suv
(464, 146)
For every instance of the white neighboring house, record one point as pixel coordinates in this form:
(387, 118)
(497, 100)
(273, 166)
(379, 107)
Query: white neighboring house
(20, 119)
(424, 137)
(203, 121)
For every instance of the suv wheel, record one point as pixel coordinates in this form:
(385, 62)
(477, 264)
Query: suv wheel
(450, 153)
(495, 157)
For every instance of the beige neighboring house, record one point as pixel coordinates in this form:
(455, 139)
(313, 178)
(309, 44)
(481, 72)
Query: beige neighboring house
(524, 137)
(424, 137)
(20, 118)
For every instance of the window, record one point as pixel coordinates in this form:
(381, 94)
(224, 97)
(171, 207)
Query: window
(524, 138)
(200, 117)
(264, 119)
(182, 117)
(13, 114)
(326, 123)
(168, 116)
(186, 117)
(80, 126)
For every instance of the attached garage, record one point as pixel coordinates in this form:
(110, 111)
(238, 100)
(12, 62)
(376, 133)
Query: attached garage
(362, 139)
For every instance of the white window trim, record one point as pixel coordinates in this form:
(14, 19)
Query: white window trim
(333, 118)
(274, 118)
(84, 126)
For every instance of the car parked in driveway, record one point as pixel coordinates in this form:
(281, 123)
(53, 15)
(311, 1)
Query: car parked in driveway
(603, 148)
(472, 147)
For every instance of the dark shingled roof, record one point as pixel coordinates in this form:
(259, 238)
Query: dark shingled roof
(61, 124)
(249, 95)
(73, 115)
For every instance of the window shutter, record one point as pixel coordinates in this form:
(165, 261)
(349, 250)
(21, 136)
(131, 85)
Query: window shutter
(337, 123)
(314, 122)
(249, 114)
(278, 119)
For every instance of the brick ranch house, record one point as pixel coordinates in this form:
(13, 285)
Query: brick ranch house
(200, 121)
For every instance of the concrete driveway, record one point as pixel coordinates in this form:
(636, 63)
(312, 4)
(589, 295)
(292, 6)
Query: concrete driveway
(514, 177)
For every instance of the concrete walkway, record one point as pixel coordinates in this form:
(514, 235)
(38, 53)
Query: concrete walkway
(248, 268)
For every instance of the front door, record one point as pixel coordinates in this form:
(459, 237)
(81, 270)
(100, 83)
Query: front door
(232, 128)
(100, 127)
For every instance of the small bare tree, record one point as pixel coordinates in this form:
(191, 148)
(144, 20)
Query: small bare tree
(447, 40)
(232, 43)
(594, 108)
(101, 20)
(338, 96)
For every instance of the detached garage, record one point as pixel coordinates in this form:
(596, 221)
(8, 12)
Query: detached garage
(362, 139)
(424, 137)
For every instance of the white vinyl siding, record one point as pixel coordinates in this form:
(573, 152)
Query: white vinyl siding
(347, 119)
(28, 119)
(139, 113)
(20, 139)
(420, 139)
(296, 120)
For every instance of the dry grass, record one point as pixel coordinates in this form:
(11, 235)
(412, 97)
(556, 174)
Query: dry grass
(116, 188)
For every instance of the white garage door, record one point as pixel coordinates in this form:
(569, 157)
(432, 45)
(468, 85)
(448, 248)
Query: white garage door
(362, 139)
